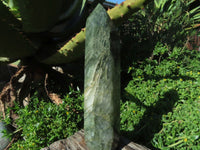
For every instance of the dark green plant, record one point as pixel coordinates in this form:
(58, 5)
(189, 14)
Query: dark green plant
(169, 22)
(41, 123)
(160, 105)
(55, 26)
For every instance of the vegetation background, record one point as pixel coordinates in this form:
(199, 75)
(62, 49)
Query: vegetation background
(160, 86)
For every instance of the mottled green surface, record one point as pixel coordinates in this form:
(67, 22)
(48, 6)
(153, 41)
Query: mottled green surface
(102, 82)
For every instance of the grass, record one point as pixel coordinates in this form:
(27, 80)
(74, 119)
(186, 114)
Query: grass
(159, 106)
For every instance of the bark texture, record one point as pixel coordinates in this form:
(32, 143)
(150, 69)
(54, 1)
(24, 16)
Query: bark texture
(77, 142)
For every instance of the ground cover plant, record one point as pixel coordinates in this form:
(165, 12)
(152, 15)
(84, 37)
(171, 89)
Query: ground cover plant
(160, 105)
(42, 122)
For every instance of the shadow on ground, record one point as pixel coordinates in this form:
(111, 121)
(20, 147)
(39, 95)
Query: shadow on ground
(151, 122)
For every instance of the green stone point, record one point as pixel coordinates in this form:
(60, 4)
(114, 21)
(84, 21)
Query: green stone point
(102, 82)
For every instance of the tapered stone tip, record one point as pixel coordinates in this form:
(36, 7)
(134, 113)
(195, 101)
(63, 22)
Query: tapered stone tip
(102, 18)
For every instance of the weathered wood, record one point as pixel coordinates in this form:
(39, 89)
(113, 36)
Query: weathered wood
(77, 142)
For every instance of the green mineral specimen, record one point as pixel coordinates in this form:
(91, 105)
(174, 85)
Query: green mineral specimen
(102, 82)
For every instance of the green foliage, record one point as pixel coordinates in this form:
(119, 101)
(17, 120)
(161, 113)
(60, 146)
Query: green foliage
(13, 8)
(166, 21)
(160, 105)
(41, 123)
(50, 10)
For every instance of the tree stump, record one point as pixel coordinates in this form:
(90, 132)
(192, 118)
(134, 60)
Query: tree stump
(77, 142)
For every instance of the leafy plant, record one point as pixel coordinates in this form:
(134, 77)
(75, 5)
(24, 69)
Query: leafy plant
(169, 22)
(41, 123)
(160, 105)
(60, 21)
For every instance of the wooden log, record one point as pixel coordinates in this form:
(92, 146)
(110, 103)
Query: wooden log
(77, 142)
